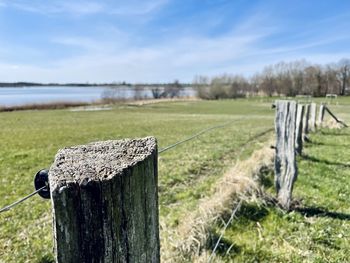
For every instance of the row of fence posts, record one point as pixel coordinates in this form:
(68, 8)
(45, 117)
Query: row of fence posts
(105, 195)
(293, 122)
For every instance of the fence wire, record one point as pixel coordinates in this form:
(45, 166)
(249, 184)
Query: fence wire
(197, 135)
(234, 211)
(8, 207)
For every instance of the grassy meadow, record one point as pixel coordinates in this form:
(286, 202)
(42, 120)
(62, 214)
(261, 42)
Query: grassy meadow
(29, 141)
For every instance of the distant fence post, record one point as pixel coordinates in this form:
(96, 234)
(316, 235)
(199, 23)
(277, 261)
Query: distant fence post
(306, 121)
(105, 202)
(321, 115)
(299, 129)
(312, 123)
(285, 161)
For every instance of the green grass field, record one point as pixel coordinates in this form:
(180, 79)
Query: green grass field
(30, 139)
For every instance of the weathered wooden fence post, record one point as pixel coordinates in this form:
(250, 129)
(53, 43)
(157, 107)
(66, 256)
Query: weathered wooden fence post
(312, 120)
(105, 202)
(321, 115)
(285, 163)
(299, 129)
(306, 121)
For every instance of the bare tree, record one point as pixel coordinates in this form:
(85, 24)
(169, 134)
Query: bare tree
(331, 81)
(289, 79)
(173, 90)
(139, 92)
(202, 87)
(343, 74)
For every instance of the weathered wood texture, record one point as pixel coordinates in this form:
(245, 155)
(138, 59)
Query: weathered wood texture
(105, 202)
(299, 129)
(321, 115)
(306, 121)
(312, 120)
(285, 161)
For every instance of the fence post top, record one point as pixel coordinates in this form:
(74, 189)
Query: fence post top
(98, 161)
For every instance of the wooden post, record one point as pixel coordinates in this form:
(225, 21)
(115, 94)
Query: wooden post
(285, 163)
(105, 202)
(312, 120)
(321, 115)
(299, 129)
(306, 121)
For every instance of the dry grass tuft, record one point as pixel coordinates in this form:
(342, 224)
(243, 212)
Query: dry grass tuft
(240, 182)
(332, 124)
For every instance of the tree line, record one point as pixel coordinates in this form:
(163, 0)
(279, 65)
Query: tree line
(284, 78)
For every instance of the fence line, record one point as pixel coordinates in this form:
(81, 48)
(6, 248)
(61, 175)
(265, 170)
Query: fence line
(8, 207)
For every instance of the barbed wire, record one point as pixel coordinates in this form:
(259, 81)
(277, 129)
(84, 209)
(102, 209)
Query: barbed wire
(234, 211)
(8, 207)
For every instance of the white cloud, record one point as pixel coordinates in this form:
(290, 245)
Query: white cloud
(139, 7)
(58, 7)
(81, 7)
(104, 61)
(179, 55)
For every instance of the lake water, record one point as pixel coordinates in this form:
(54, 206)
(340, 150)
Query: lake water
(44, 94)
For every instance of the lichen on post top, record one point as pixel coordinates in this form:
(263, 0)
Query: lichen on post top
(98, 161)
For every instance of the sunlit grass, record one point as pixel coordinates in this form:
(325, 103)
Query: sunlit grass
(30, 139)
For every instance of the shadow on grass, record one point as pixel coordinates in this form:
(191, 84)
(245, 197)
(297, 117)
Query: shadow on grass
(47, 259)
(225, 246)
(252, 212)
(248, 213)
(334, 133)
(321, 212)
(324, 161)
(316, 143)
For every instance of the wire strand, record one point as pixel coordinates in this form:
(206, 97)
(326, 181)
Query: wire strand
(8, 207)
(196, 135)
(234, 211)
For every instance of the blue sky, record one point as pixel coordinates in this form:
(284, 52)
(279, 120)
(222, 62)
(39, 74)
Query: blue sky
(163, 40)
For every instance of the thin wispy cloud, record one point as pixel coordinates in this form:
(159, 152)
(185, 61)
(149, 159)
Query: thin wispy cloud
(57, 7)
(81, 8)
(162, 40)
(138, 7)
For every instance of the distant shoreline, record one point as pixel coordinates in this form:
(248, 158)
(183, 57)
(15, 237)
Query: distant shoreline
(123, 84)
(64, 105)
